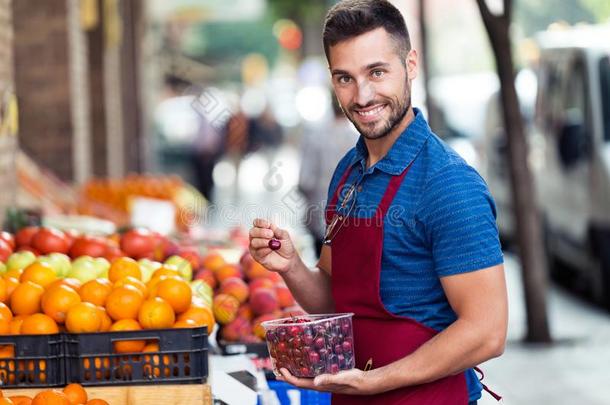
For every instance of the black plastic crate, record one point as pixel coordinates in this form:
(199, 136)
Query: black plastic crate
(36, 361)
(182, 358)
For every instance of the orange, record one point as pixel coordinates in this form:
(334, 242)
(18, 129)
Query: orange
(11, 284)
(99, 364)
(127, 346)
(40, 273)
(7, 352)
(15, 325)
(70, 282)
(97, 401)
(25, 300)
(176, 292)
(83, 317)
(134, 282)
(5, 313)
(14, 273)
(76, 394)
(185, 323)
(21, 400)
(39, 324)
(5, 327)
(156, 313)
(6, 401)
(154, 361)
(96, 291)
(153, 283)
(123, 267)
(124, 303)
(106, 321)
(50, 397)
(3, 291)
(166, 270)
(203, 316)
(56, 302)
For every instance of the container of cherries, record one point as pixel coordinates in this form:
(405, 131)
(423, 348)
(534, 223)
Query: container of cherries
(311, 345)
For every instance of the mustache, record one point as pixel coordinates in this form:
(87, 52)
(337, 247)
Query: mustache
(367, 105)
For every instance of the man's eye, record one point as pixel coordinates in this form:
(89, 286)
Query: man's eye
(377, 73)
(344, 79)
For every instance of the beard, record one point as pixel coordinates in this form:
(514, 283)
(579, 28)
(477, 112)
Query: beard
(378, 129)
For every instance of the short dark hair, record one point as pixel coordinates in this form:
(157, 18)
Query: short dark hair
(351, 18)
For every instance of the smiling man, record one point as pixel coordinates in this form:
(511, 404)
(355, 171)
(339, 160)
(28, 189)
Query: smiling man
(412, 246)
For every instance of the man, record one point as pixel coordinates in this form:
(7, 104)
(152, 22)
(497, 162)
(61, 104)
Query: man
(412, 245)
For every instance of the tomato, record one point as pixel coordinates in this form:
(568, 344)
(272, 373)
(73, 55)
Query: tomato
(138, 243)
(49, 240)
(89, 246)
(23, 237)
(8, 238)
(5, 250)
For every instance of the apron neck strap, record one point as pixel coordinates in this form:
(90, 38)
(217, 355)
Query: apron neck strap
(390, 192)
(335, 198)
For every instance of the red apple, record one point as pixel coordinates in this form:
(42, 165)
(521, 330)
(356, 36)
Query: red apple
(49, 240)
(23, 237)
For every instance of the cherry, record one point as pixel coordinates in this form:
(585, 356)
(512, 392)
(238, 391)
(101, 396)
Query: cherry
(347, 346)
(314, 357)
(319, 343)
(308, 339)
(275, 244)
(334, 368)
(338, 349)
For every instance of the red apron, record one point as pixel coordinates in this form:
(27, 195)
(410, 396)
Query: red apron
(378, 334)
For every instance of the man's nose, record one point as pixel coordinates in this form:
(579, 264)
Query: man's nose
(366, 93)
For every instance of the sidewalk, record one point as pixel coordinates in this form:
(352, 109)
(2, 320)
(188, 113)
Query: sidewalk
(575, 370)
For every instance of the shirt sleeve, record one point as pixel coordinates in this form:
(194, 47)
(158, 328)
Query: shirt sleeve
(459, 217)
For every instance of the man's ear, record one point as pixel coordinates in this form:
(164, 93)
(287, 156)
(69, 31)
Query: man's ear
(411, 64)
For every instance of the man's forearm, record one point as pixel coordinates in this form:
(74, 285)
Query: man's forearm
(461, 346)
(310, 288)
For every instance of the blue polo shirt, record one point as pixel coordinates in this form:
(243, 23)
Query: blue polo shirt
(442, 222)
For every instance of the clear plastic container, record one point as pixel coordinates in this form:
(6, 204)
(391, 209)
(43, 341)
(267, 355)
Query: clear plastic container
(311, 345)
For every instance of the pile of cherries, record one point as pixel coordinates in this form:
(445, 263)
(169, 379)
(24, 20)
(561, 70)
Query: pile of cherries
(308, 347)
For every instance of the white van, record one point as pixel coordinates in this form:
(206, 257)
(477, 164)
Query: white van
(570, 150)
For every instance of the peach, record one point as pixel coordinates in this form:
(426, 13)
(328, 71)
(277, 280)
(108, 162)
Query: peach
(245, 312)
(236, 287)
(252, 269)
(213, 261)
(226, 271)
(207, 276)
(257, 328)
(225, 308)
(264, 301)
(236, 329)
(284, 296)
(260, 283)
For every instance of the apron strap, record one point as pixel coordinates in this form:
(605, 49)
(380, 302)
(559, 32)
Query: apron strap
(493, 394)
(391, 191)
(335, 198)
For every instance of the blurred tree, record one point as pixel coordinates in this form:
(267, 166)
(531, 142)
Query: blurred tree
(599, 8)
(536, 15)
(527, 219)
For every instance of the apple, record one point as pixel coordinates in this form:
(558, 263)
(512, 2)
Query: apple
(93, 246)
(20, 260)
(49, 240)
(138, 243)
(201, 289)
(8, 238)
(102, 265)
(84, 269)
(23, 237)
(2, 268)
(184, 267)
(5, 250)
(147, 268)
(59, 262)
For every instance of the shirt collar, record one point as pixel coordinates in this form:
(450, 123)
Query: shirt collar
(404, 150)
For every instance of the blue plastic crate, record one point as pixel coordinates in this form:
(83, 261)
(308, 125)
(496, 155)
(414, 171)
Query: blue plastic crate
(308, 397)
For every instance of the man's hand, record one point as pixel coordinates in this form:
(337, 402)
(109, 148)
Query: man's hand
(351, 382)
(275, 260)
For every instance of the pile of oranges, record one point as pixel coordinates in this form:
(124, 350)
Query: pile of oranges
(34, 301)
(72, 394)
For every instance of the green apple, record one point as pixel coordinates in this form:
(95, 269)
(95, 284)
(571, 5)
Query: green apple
(102, 265)
(202, 289)
(184, 266)
(59, 262)
(2, 268)
(20, 260)
(147, 268)
(84, 269)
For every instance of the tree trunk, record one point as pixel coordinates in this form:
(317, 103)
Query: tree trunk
(433, 118)
(527, 218)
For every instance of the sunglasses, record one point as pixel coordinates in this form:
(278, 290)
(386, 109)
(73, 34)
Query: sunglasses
(338, 219)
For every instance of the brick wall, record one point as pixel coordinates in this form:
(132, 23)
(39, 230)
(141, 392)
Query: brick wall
(42, 81)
